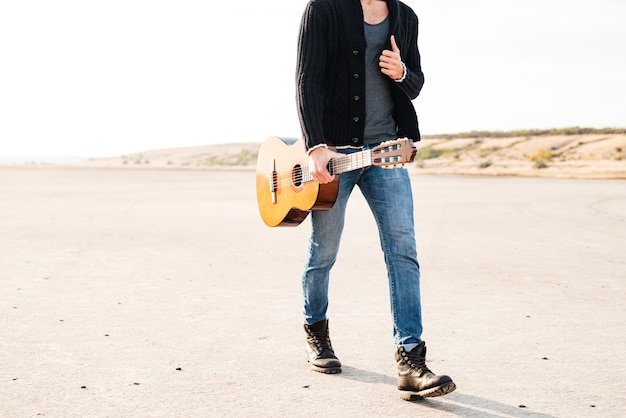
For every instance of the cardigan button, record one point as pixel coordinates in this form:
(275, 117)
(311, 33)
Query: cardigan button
(355, 119)
(355, 52)
(355, 75)
(355, 140)
(357, 98)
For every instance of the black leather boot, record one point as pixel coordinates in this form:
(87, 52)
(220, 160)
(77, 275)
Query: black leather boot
(319, 351)
(415, 379)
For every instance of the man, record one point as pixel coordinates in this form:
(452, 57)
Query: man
(358, 69)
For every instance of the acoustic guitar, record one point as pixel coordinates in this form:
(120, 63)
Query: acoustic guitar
(286, 191)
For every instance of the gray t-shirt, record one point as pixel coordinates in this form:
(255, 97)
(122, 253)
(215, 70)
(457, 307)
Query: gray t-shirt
(379, 122)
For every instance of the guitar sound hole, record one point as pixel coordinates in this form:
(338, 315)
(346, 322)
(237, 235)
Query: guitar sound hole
(296, 176)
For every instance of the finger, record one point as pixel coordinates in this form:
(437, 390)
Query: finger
(389, 55)
(394, 46)
(387, 69)
(324, 175)
(389, 63)
(320, 174)
(323, 179)
(388, 58)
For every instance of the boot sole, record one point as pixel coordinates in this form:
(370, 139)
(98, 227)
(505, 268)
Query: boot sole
(329, 370)
(326, 370)
(428, 393)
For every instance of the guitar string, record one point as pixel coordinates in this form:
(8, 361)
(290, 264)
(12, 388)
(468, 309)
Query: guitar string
(337, 165)
(345, 163)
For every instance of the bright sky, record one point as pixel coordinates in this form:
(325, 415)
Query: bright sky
(106, 78)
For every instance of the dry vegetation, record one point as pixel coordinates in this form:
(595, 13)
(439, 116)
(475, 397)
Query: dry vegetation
(570, 152)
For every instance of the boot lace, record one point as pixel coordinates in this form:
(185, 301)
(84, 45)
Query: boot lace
(415, 361)
(321, 339)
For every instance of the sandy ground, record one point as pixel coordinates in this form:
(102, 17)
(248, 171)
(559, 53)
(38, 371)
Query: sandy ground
(160, 293)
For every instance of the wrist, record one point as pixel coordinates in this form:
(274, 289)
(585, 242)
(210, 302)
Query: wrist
(401, 79)
(318, 146)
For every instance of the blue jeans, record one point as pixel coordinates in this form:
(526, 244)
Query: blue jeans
(388, 193)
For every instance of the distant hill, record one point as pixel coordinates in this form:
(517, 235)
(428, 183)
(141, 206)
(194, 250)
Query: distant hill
(570, 152)
(579, 156)
(33, 160)
(573, 130)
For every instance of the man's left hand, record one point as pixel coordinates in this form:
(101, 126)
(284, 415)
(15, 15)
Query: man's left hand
(391, 63)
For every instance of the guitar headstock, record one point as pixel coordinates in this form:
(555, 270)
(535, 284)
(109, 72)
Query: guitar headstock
(395, 153)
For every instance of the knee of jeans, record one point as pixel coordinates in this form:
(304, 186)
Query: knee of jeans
(321, 256)
(401, 244)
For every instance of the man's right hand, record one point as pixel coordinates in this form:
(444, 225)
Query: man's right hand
(318, 164)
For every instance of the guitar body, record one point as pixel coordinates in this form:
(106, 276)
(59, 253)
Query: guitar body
(284, 199)
(285, 189)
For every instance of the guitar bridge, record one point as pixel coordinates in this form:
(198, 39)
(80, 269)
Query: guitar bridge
(274, 181)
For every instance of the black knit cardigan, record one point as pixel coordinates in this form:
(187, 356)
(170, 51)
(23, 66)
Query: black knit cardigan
(330, 82)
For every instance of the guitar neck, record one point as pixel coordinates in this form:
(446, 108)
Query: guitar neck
(343, 164)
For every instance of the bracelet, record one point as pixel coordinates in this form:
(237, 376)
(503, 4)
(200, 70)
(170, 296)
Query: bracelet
(316, 147)
(401, 79)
